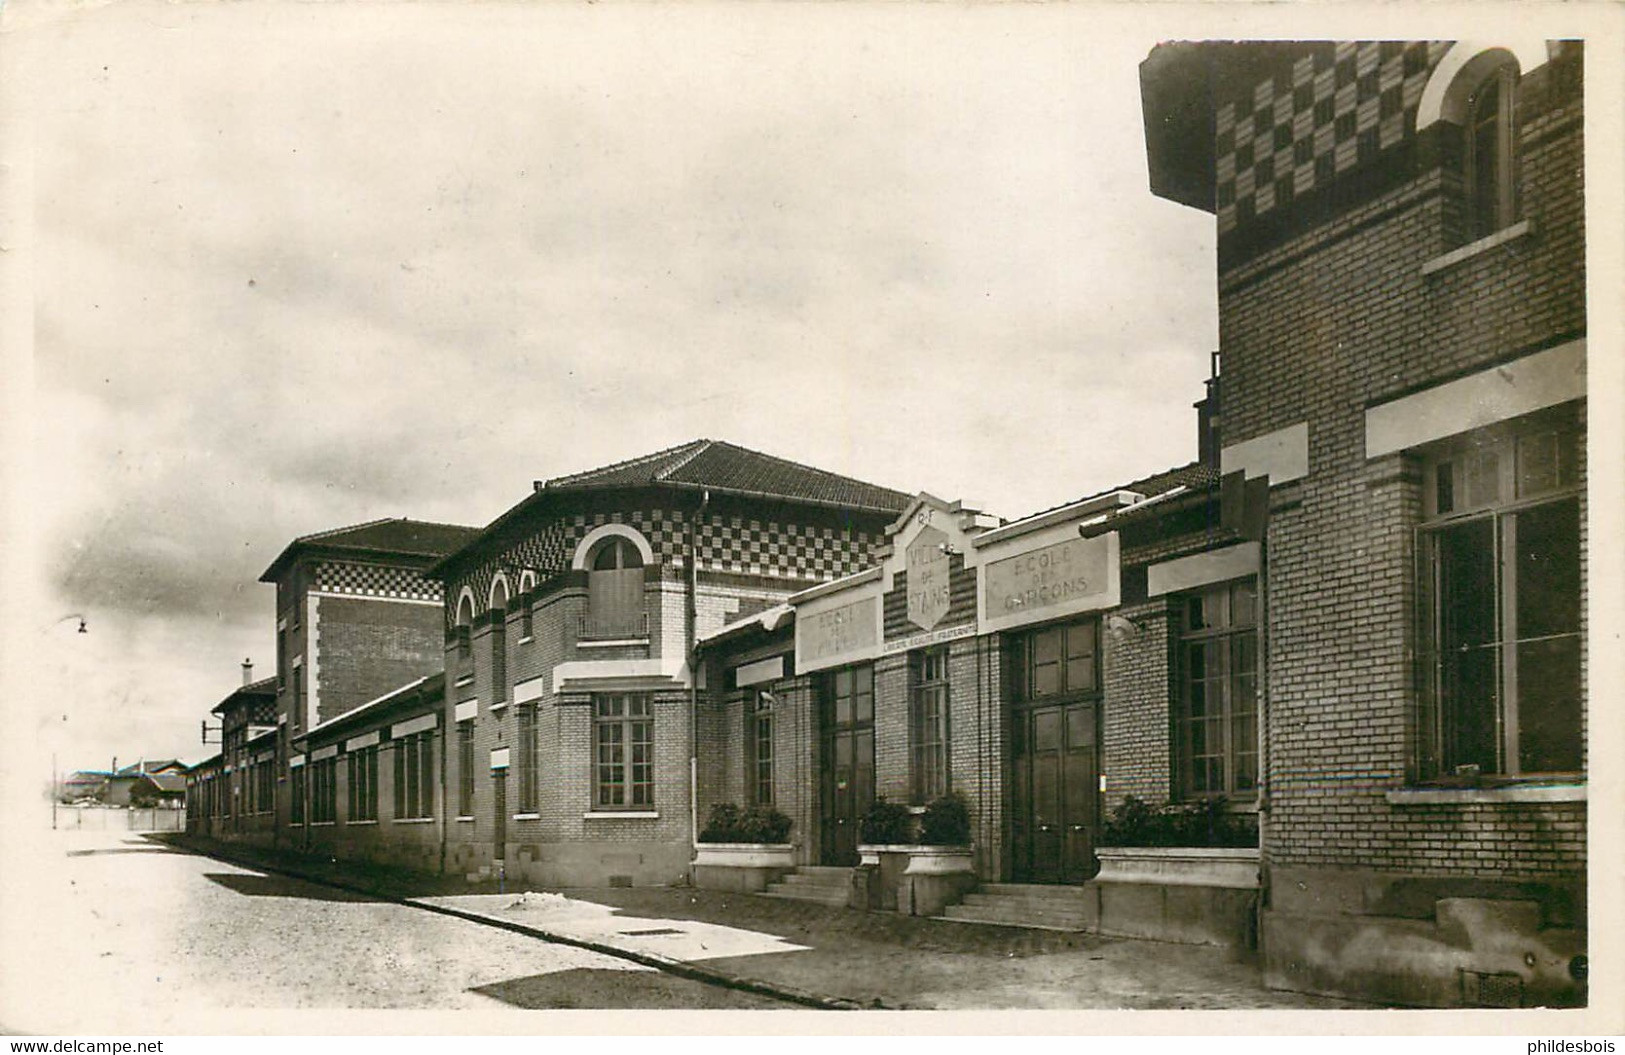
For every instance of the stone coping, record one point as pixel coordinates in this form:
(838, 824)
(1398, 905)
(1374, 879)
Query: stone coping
(1230, 867)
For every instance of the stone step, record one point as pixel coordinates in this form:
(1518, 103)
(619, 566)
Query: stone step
(1036, 890)
(1014, 909)
(834, 870)
(1034, 904)
(815, 882)
(816, 894)
(972, 914)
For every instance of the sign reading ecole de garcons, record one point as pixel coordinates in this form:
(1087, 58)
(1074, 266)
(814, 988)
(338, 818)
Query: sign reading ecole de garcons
(1074, 575)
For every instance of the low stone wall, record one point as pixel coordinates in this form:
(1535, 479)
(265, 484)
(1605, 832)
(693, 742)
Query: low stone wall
(1406, 940)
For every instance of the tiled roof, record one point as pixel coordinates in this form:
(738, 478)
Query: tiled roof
(170, 783)
(263, 687)
(705, 465)
(1195, 476)
(396, 536)
(149, 767)
(727, 467)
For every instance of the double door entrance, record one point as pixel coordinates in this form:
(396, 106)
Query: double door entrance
(1056, 801)
(846, 784)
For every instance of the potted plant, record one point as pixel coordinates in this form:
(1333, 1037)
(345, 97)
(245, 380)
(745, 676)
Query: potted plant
(885, 836)
(941, 869)
(743, 850)
(1201, 857)
(916, 864)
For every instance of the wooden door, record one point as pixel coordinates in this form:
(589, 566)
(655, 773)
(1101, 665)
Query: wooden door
(846, 761)
(1056, 815)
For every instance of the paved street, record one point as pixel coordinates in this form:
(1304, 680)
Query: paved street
(107, 931)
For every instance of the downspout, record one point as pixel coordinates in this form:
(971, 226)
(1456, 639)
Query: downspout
(694, 673)
(1264, 774)
(445, 802)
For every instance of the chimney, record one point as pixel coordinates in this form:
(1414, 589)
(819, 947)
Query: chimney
(248, 671)
(1208, 420)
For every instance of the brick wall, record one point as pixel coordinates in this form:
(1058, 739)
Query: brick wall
(1317, 328)
(1137, 755)
(365, 647)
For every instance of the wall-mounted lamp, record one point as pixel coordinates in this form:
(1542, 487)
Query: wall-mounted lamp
(1122, 625)
(948, 549)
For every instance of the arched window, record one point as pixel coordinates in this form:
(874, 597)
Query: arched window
(499, 640)
(1487, 153)
(527, 605)
(465, 621)
(615, 590)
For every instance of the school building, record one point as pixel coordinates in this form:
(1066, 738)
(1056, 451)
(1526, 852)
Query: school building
(1318, 694)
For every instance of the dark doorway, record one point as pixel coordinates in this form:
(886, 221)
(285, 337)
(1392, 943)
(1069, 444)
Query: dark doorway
(499, 818)
(1056, 812)
(846, 760)
(1054, 734)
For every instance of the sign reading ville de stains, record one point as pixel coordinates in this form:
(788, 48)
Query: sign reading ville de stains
(1070, 576)
(926, 561)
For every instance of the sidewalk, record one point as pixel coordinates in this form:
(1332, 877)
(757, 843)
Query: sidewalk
(818, 956)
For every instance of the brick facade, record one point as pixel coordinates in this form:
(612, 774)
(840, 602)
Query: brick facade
(1365, 294)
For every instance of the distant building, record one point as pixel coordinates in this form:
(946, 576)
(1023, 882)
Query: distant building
(160, 781)
(84, 785)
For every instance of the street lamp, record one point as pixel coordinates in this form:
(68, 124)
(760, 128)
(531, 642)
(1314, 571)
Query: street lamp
(56, 775)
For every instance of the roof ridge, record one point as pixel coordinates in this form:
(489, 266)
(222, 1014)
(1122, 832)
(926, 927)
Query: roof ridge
(640, 459)
(341, 530)
(700, 447)
(806, 467)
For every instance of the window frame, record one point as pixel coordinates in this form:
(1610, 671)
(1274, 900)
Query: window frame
(608, 616)
(414, 776)
(930, 771)
(1021, 651)
(1442, 723)
(296, 793)
(1228, 640)
(324, 790)
(615, 773)
(528, 763)
(361, 785)
(465, 769)
(1493, 207)
(759, 729)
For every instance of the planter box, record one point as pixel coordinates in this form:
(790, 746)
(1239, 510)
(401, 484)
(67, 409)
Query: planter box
(741, 868)
(1195, 895)
(912, 879)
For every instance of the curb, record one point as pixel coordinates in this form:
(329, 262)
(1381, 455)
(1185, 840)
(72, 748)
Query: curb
(665, 964)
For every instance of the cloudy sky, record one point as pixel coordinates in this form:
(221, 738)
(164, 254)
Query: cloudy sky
(297, 266)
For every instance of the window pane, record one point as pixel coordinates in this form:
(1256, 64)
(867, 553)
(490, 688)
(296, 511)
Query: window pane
(1547, 541)
(1548, 553)
(1483, 478)
(1242, 601)
(1549, 706)
(1538, 464)
(1468, 658)
(1444, 495)
(1047, 646)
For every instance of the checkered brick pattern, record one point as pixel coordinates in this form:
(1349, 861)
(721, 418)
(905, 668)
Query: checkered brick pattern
(374, 580)
(742, 545)
(1342, 107)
